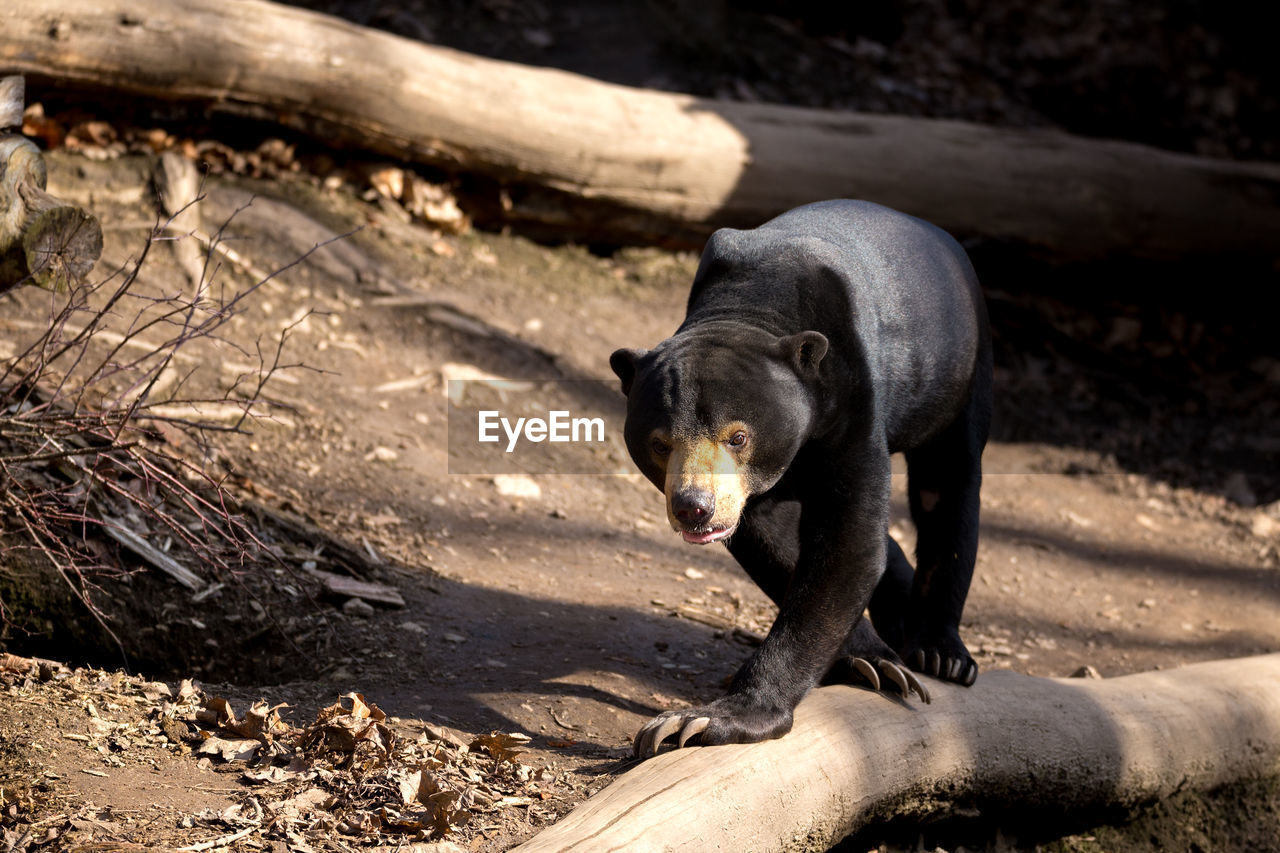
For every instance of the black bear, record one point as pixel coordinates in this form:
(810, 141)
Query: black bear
(815, 346)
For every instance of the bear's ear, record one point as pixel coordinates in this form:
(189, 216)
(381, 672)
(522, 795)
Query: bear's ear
(805, 351)
(623, 363)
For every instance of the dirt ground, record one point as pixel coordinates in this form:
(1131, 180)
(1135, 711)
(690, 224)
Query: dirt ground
(1131, 504)
(562, 606)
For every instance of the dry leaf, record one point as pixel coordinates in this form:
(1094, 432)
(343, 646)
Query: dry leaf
(15, 664)
(263, 722)
(342, 729)
(216, 713)
(501, 747)
(240, 749)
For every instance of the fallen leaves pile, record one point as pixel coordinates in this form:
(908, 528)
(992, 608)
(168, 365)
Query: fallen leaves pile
(352, 778)
(400, 189)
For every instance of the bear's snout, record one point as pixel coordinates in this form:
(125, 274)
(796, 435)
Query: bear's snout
(693, 507)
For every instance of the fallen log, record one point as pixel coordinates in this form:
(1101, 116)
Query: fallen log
(1019, 742)
(628, 165)
(43, 240)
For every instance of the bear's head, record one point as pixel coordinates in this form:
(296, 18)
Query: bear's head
(715, 415)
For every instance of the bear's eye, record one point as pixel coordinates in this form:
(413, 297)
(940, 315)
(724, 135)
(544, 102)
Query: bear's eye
(738, 439)
(659, 447)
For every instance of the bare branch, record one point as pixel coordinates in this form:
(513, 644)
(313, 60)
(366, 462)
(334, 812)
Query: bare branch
(82, 454)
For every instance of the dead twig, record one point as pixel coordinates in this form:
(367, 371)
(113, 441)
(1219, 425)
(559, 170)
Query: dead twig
(89, 413)
(222, 841)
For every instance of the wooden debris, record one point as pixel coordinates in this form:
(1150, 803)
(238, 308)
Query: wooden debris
(115, 528)
(43, 240)
(178, 185)
(353, 588)
(335, 549)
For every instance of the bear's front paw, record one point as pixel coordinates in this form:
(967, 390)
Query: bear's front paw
(733, 719)
(942, 657)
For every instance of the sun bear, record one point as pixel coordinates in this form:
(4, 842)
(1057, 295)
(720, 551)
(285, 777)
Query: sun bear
(813, 348)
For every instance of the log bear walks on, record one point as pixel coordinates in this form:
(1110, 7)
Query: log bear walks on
(814, 347)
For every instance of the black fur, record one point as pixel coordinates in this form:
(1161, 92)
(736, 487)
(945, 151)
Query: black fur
(841, 332)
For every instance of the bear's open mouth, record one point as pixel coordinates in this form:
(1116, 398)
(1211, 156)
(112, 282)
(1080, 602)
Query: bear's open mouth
(700, 536)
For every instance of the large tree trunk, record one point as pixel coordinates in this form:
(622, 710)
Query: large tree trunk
(629, 165)
(1011, 740)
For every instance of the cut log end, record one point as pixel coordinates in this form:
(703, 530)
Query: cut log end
(61, 246)
(43, 240)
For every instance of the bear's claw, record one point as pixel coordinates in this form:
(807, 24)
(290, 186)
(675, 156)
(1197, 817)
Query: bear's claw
(867, 671)
(693, 727)
(736, 718)
(961, 670)
(905, 680)
(651, 736)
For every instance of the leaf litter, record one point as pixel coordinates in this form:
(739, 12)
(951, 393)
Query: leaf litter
(351, 778)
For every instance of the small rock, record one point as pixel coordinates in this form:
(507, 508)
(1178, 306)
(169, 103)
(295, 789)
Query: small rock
(413, 627)
(1147, 522)
(1076, 519)
(1264, 526)
(1086, 672)
(452, 637)
(175, 730)
(693, 574)
(381, 454)
(357, 607)
(517, 486)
